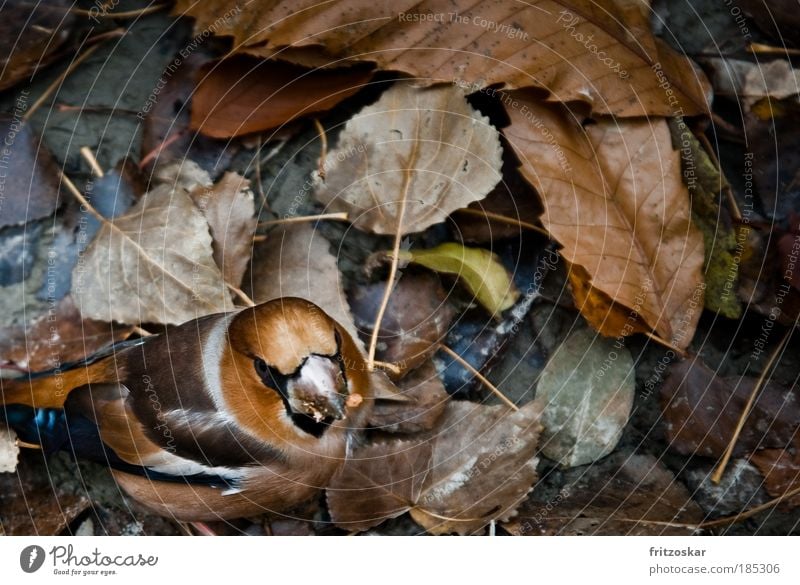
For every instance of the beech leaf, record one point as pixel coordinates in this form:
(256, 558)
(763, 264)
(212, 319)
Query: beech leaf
(480, 270)
(416, 155)
(601, 53)
(229, 209)
(295, 261)
(615, 200)
(586, 395)
(475, 466)
(130, 276)
(243, 94)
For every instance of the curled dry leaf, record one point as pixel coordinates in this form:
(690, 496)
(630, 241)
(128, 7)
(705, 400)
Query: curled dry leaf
(475, 466)
(9, 451)
(295, 261)
(30, 175)
(624, 495)
(701, 411)
(426, 401)
(614, 199)
(243, 94)
(417, 318)
(586, 395)
(410, 160)
(480, 270)
(128, 275)
(603, 54)
(229, 209)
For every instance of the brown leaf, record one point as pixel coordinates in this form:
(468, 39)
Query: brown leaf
(243, 94)
(474, 467)
(426, 402)
(781, 471)
(624, 495)
(29, 189)
(295, 261)
(603, 54)
(701, 411)
(55, 338)
(614, 199)
(416, 320)
(43, 511)
(128, 275)
(30, 35)
(229, 209)
(427, 148)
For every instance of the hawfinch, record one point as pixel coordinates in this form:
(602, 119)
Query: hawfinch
(229, 415)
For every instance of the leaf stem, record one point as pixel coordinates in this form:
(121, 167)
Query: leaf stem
(91, 160)
(342, 216)
(717, 476)
(323, 150)
(504, 219)
(481, 377)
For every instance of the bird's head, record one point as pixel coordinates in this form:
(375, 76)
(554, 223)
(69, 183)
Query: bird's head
(292, 372)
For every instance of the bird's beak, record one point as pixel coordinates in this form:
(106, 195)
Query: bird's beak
(319, 389)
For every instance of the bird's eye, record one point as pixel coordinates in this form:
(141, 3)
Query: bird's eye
(261, 367)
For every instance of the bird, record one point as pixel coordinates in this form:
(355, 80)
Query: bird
(225, 416)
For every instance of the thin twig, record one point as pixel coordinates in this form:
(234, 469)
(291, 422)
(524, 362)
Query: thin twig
(64, 74)
(260, 238)
(147, 158)
(667, 344)
(324, 150)
(141, 332)
(760, 49)
(123, 14)
(241, 294)
(26, 445)
(504, 219)
(751, 512)
(89, 157)
(480, 376)
(79, 196)
(393, 368)
(717, 476)
(303, 218)
(202, 528)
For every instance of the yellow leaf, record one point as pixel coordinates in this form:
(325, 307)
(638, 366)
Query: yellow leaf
(479, 270)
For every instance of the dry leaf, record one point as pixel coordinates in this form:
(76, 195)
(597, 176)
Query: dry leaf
(416, 320)
(624, 495)
(586, 394)
(426, 402)
(295, 261)
(9, 451)
(129, 275)
(42, 511)
(479, 270)
(781, 471)
(55, 338)
(31, 33)
(30, 175)
(229, 209)
(750, 82)
(701, 411)
(604, 54)
(476, 466)
(426, 147)
(614, 199)
(243, 94)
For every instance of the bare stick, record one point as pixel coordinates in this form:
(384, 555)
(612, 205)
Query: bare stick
(26, 445)
(480, 376)
(760, 49)
(89, 157)
(717, 476)
(123, 14)
(504, 219)
(665, 343)
(393, 368)
(751, 512)
(324, 150)
(241, 294)
(303, 218)
(141, 332)
(64, 74)
(79, 196)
